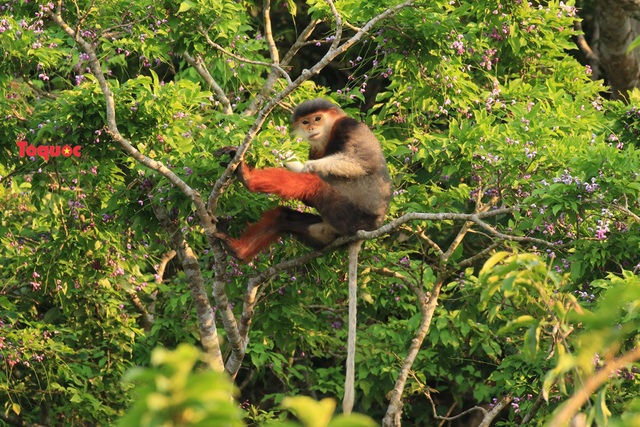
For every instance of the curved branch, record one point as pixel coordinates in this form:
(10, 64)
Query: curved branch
(427, 309)
(582, 43)
(268, 32)
(267, 88)
(191, 268)
(338, 20)
(206, 323)
(389, 227)
(300, 42)
(254, 283)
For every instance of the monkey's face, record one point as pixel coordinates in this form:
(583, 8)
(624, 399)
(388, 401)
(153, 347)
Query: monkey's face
(312, 127)
(315, 127)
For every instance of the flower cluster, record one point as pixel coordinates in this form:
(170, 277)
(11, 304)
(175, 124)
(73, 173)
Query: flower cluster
(515, 402)
(396, 287)
(585, 293)
(566, 178)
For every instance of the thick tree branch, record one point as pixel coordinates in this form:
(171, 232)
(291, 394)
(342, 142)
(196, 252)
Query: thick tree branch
(427, 309)
(428, 306)
(254, 283)
(191, 267)
(206, 322)
(205, 219)
(619, 25)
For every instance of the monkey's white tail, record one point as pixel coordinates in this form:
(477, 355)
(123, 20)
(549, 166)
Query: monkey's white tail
(349, 392)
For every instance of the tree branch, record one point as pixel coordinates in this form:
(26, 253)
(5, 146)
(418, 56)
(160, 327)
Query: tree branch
(239, 58)
(427, 308)
(191, 267)
(204, 217)
(573, 405)
(619, 26)
(198, 64)
(268, 32)
(267, 88)
(206, 321)
(254, 283)
(497, 408)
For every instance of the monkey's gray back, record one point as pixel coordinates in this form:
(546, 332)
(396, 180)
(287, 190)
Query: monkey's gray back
(369, 195)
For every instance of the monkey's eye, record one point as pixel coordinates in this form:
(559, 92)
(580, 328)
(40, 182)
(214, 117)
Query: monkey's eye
(305, 122)
(318, 118)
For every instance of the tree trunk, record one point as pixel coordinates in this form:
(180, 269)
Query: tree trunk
(619, 25)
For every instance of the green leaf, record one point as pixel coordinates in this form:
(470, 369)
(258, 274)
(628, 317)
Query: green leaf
(353, 420)
(602, 411)
(524, 320)
(185, 5)
(309, 411)
(633, 45)
(531, 341)
(491, 262)
(293, 9)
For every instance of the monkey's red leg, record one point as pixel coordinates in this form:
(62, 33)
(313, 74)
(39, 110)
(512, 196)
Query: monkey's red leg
(257, 236)
(284, 183)
(308, 228)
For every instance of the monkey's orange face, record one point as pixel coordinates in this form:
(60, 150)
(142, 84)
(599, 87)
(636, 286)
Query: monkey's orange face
(313, 126)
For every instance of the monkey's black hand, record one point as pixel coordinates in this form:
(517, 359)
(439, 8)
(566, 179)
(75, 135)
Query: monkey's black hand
(242, 171)
(226, 151)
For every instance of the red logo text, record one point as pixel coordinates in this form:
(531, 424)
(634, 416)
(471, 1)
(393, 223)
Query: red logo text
(47, 151)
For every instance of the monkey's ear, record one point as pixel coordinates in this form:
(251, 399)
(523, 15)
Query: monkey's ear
(224, 151)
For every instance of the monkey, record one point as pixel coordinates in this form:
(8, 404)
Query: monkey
(346, 180)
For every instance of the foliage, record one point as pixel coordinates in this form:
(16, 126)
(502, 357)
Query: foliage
(174, 392)
(562, 334)
(170, 393)
(477, 105)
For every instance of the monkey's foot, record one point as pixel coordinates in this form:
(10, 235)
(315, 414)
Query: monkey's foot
(230, 245)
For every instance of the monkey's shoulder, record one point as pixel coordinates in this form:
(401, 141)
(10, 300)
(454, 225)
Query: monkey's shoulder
(347, 134)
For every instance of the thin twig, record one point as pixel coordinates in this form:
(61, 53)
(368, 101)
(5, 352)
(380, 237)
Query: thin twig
(239, 58)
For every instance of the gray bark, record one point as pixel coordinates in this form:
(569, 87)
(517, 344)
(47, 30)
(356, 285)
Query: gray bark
(619, 25)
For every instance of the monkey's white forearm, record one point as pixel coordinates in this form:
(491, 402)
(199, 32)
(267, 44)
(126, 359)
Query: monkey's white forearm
(338, 165)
